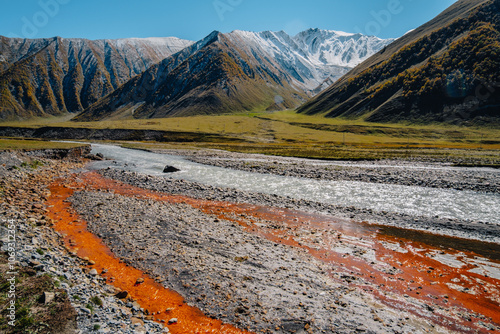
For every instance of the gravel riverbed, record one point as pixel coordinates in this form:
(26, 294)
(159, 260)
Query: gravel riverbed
(233, 275)
(215, 264)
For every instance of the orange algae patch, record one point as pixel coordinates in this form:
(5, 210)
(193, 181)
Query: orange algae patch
(403, 276)
(163, 303)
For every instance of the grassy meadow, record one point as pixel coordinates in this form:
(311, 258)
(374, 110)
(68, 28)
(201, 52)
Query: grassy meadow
(290, 134)
(31, 144)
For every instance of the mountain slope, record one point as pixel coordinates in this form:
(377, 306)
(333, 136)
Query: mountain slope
(236, 72)
(212, 76)
(52, 76)
(445, 71)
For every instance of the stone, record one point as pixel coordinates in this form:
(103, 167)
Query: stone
(85, 310)
(48, 297)
(93, 272)
(135, 321)
(39, 267)
(122, 295)
(170, 169)
(33, 263)
(172, 321)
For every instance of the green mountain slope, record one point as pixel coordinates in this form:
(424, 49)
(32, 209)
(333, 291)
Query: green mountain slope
(53, 76)
(448, 70)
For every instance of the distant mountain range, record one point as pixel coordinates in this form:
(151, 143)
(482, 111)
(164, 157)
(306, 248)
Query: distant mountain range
(159, 77)
(447, 70)
(42, 77)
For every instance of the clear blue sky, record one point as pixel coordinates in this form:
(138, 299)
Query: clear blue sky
(194, 19)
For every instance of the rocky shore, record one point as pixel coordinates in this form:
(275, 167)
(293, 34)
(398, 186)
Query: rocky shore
(92, 306)
(414, 172)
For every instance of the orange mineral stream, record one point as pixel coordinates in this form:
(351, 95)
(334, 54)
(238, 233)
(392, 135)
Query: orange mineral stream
(163, 303)
(402, 273)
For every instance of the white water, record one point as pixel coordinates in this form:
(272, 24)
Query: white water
(420, 201)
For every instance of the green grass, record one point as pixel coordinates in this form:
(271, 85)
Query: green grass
(96, 300)
(28, 144)
(290, 127)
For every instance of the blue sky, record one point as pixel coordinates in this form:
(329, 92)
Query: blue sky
(194, 19)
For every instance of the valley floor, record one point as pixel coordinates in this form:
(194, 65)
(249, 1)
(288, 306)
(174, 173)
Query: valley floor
(265, 263)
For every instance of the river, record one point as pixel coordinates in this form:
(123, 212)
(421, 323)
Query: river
(411, 200)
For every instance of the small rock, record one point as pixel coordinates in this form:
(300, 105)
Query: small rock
(85, 310)
(93, 272)
(48, 297)
(39, 267)
(135, 321)
(33, 263)
(140, 280)
(122, 295)
(172, 321)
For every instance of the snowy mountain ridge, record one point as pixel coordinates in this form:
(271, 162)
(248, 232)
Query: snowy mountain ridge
(314, 55)
(52, 76)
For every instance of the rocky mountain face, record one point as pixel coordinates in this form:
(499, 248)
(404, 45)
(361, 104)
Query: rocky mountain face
(53, 76)
(239, 71)
(447, 70)
(222, 73)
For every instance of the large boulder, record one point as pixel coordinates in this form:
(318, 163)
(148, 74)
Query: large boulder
(170, 169)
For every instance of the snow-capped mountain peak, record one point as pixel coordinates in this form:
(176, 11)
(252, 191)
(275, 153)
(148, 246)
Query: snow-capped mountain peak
(312, 56)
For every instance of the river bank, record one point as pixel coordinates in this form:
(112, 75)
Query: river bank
(80, 301)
